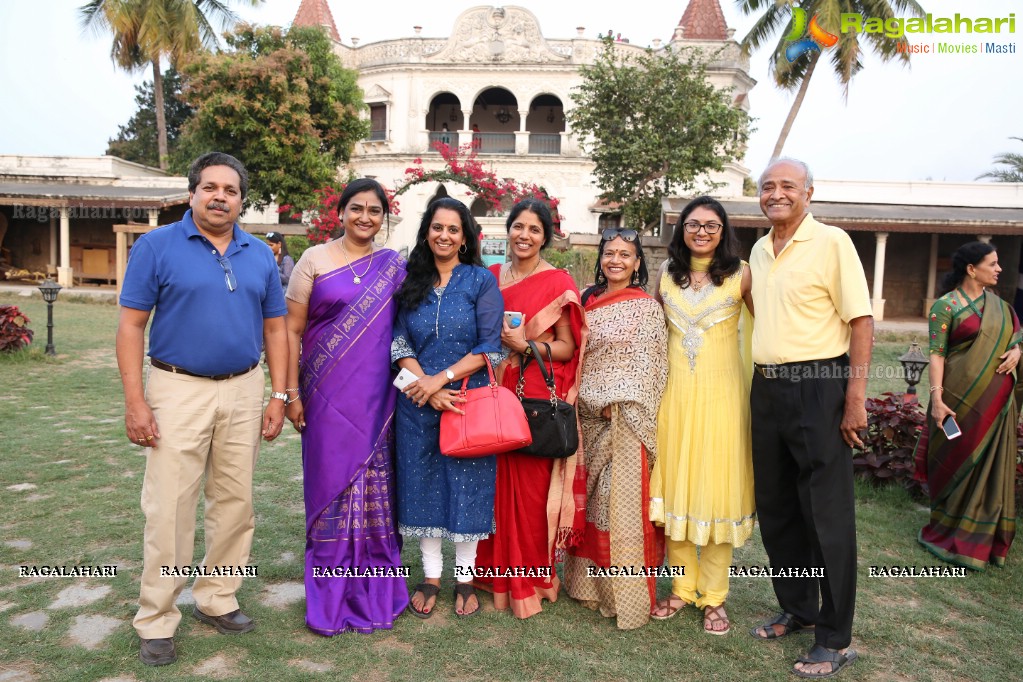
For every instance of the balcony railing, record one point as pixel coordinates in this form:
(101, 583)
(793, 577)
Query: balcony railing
(544, 143)
(377, 135)
(494, 143)
(450, 138)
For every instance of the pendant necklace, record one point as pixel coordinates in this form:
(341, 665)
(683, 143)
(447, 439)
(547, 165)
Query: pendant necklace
(357, 278)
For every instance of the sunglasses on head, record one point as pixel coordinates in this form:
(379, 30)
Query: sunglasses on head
(626, 233)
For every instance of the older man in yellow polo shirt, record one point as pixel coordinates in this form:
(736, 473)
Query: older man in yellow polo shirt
(811, 352)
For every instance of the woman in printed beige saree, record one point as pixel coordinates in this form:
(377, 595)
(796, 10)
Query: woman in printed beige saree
(624, 372)
(975, 349)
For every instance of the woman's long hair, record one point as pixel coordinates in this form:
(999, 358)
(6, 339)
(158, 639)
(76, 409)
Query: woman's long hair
(971, 253)
(639, 278)
(726, 256)
(422, 270)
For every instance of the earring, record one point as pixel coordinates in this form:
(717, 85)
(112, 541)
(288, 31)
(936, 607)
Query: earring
(463, 249)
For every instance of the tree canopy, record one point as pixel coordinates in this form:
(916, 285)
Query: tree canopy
(137, 139)
(282, 103)
(144, 31)
(653, 124)
(1013, 170)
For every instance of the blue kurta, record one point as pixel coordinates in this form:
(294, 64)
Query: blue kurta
(442, 496)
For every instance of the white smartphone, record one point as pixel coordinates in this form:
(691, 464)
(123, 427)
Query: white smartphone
(514, 319)
(951, 428)
(404, 378)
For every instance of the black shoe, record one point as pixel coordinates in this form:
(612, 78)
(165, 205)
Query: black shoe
(234, 623)
(158, 651)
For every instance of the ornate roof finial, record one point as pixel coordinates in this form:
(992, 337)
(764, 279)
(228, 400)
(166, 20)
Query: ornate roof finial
(703, 20)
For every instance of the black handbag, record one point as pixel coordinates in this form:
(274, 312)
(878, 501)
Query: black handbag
(551, 421)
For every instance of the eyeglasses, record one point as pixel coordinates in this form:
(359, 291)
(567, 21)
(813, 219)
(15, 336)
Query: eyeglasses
(627, 234)
(693, 227)
(229, 278)
(272, 235)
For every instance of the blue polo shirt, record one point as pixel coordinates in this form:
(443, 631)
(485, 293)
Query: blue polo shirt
(200, 324)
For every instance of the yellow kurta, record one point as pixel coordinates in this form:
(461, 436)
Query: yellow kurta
(701, 487)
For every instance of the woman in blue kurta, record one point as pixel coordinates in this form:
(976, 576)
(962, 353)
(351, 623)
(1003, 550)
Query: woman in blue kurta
(450, 312)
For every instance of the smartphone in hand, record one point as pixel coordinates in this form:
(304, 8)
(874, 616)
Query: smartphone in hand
(951, 428)
(404, 378)
(514, 319)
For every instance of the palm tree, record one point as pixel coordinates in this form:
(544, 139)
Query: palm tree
(144, 31)
(1014, 172)
(845, 54)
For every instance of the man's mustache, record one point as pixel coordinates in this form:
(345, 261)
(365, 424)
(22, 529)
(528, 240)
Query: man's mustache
(218, 205)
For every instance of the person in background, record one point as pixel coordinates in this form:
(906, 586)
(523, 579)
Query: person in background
(340, 323)
(449, 316)
(215, 299)
(975, 351)
(623, 376)
(285, 263)
(539, 506)
(702, 485)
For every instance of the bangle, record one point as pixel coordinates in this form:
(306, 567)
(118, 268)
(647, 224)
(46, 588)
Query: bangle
(936, 388)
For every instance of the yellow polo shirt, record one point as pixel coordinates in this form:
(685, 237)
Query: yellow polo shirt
(805, 298)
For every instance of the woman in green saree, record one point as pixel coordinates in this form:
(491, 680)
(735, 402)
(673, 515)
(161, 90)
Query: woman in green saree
(974, 351)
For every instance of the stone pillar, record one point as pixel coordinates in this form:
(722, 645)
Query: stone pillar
(65, 276)
(761, 231)
(932, 276)
(154, 217)
(52, 267)
(877, 302)
(986, 238)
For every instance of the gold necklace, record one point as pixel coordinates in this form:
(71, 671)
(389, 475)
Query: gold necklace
(509, 279)
(698, 284)
(357, 278)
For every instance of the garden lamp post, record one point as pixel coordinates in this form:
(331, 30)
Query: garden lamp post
(49, 289)
(913, 363)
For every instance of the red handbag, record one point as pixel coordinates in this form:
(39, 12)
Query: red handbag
(494, 422)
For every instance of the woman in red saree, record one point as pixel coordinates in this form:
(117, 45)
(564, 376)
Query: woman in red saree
(539, 507)
(975, 349)
(623, 376)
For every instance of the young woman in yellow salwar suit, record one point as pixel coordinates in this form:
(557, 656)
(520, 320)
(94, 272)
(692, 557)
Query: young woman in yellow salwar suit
(701, 487)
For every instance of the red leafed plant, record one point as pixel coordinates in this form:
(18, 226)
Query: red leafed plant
(893, 428)
(463, 166)
(14, 331)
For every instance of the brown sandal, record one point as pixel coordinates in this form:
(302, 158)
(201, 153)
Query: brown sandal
(668, 603)
(716, 614)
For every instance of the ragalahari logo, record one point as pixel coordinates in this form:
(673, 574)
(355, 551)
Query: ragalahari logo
(803, 38)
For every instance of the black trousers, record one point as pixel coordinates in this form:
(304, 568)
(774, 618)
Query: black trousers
(803, 480)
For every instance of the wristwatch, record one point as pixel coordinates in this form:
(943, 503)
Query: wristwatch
(528, 350)
(279, 396)
(449, 374)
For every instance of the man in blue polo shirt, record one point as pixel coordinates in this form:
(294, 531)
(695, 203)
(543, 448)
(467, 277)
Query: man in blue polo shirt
(217, 299)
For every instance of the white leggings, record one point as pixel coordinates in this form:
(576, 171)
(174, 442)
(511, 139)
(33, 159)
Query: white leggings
(433, 561)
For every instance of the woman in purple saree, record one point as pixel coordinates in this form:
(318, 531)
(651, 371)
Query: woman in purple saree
(340, 316)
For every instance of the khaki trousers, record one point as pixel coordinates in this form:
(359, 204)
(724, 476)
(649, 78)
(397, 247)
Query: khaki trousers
(209, 428)
(706, 580)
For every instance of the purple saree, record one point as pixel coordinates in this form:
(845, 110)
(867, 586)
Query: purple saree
(347, 451)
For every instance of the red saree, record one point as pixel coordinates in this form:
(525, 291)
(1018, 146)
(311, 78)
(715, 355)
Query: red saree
(539, 508)
(971, 478)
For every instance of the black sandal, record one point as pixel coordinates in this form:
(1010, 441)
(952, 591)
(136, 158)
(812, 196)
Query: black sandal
(786, 620)
(428, 590)
(466, 590)
(822, 654)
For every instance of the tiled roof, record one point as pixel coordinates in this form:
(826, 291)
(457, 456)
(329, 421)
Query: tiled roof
(703, 20)
(317, 13)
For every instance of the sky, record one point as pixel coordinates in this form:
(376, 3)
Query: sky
(943, 118)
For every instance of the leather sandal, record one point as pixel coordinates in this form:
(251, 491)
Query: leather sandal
(822, 654)
(429, 591)
(668, 603)
(716, 614)
(789, 622)
(466, 590)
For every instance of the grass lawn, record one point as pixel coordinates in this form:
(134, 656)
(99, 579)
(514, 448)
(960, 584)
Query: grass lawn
(70, 495)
